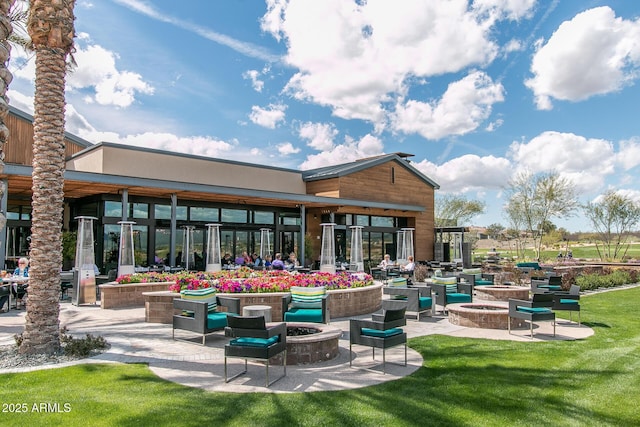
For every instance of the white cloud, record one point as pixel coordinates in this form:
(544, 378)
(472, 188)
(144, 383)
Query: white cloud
(586, 162)
(510, 9)
(350, 151)
(462, 108)
(239, 46)
(286, 148)
(97, 69)
(468, 173)
(356, 58)
(254, 77)
(268, 117)
(629, 153)
(320, 136)
(593, 53)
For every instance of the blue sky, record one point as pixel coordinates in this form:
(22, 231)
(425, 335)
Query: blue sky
(476, 90)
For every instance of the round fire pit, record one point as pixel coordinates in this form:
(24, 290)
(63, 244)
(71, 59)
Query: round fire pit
(501, 292)
(481, 315)
(310, 343)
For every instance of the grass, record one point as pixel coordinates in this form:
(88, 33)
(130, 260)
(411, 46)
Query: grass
(463, 382)
(579, 252)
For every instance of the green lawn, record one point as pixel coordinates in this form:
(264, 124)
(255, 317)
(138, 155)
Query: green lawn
(463, 382)
(586, 252)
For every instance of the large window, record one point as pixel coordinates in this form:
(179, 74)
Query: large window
(234, 215)
(204, 214)
(113, 209)
(138, 210)
(260, 217)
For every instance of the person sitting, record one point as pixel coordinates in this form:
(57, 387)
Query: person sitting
(257, 261)
(277, 263)
(226, 259)
(239, 260)
(267, 261)
(409, 266)
(247, 258)
(386, 262)
(21, 271)
(292, 261)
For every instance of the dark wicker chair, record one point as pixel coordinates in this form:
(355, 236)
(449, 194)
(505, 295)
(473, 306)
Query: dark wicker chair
(416, 300)
(534, 310)
(5, 294)
(195, 316)
(568, 301)
(463, 293)
(382, 331)
(253, 340)
(314, 309)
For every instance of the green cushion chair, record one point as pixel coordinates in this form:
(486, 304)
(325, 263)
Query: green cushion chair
(534, 310)
(253, 340)
(381, 331)
(306, 304)
(203, 316)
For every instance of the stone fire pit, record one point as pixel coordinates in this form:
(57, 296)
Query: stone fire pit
(482, 315)
(501, 292)
(310, 343)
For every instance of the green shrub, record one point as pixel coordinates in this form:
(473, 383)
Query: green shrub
(81, 347)
(591, 281)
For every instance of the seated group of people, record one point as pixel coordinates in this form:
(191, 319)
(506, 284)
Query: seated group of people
(387, 263)
(268, 262)
(21, 271)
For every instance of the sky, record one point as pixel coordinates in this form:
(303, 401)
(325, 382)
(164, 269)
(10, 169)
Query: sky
(477, 91)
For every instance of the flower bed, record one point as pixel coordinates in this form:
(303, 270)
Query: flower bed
(350, 294)
(246, 280)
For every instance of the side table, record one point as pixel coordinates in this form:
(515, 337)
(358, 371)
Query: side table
(258, 310)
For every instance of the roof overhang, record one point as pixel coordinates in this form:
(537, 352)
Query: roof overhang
(83, 184)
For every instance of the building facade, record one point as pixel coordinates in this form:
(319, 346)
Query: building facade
(165, 192)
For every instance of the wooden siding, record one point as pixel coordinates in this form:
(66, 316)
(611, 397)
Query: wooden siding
(19, 149)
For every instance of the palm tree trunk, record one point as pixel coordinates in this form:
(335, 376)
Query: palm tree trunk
(51, 29)
(43, 308)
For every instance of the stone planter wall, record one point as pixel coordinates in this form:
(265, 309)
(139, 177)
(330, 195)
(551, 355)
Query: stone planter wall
(114, 295)
(342, 303)
(158, 306)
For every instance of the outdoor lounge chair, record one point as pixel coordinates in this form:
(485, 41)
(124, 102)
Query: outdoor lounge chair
(548, 284)
(568, 301)
(382, 331)
(534, 310)
(196, 316)
(451, 293)
(253, 340)
(305, 304)
(477, 279)
(416, 300)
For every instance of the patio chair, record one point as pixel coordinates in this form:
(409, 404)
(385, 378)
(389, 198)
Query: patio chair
(382, 331)
(546, 284)
(203, 317)
(534, 310)
(568, 301)
(5, 296)
(448, 290)
(416, 300)
(253, 340)
(305, 304)
(478, 278)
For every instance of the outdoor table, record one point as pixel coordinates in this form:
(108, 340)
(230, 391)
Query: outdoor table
(258, 310)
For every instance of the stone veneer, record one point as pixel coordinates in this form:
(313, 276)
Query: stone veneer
(313, 348)
(501, 293)
(464, 314)
(114, 295)
(342, 303)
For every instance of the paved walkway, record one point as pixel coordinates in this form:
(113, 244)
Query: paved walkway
(133, 340)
